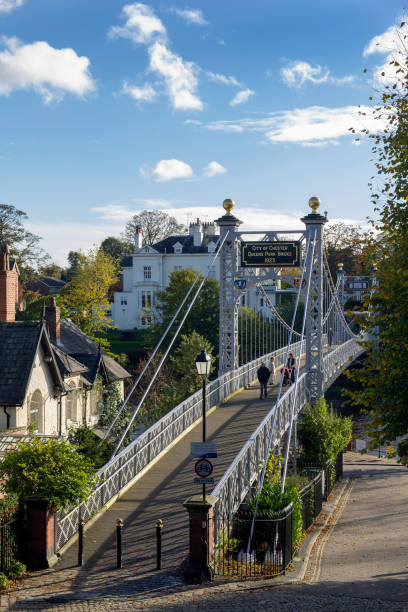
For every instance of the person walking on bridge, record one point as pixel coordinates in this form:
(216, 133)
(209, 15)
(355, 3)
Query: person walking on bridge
(263, 377)
(291, 367)
(273, 370)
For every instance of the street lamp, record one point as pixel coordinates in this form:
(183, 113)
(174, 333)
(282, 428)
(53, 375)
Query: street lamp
(203, 364)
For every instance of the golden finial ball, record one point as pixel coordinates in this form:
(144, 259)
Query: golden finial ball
(314, 204)
(228, 205)
(340, 266)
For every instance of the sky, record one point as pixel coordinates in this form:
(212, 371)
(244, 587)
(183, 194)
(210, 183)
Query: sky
(109, 108)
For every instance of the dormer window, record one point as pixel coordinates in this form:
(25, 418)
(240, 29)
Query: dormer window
(211, 247)
(178, 248)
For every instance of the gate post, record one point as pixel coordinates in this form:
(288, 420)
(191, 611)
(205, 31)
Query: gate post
(314, 350)
(228, 351)
(195, 507)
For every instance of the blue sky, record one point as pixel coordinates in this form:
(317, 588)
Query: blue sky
(108, 108)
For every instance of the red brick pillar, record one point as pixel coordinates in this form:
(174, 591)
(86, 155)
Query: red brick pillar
(199, 512)
(40, 533)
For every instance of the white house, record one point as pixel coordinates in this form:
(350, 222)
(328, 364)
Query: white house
(148, 270)
(50, 371)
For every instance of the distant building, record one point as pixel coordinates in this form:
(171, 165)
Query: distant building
(49, 369)
(45, 285)
(148, 270)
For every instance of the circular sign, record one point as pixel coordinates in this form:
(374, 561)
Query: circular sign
(203, 468)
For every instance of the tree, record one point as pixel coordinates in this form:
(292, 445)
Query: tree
(84, 298)
(183, 362)
(75, 259)
(47, 469)
(155, 225)
(117, 249)
(53, 270)
(383, 380)
(346, 244)
(203, 317)
(24, 245)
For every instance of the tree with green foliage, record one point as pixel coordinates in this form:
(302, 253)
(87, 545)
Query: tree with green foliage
(24, 245)
(183, 364)
(116, 248)
(76, 259)
(84, 298)
(346, 244)
(155, 225)
(47, 469)
(109, 405)
(90, 445)
(53, 271)
(203, 317)
(322, 433)
(383, 379)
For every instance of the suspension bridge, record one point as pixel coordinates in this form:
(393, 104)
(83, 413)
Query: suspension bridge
(151, 477)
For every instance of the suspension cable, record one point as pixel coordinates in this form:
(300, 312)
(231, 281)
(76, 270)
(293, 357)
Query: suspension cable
(262, 478)
(274, 311)
(157, 370)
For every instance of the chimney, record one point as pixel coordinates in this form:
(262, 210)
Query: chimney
(52, 318)
(138, 238)
(196, 230)
(8, 287)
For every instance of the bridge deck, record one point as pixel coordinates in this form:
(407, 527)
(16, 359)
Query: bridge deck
(160, 493)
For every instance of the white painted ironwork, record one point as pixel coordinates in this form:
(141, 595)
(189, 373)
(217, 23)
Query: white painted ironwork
(244, 470)
(127, 465)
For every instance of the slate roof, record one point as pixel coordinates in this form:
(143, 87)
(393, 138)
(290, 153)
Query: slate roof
(187, 242)
(126, 262)
(50, 281)
(77, 345)
(75, 353)
(18, 345)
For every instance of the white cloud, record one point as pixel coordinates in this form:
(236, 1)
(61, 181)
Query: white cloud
(191, 16)
(180, 77)
(50, 72)
(298, 73)
(169, 169)
(307, 125)
(221, 78)
(146, 93)
(6, 6)
(214, 168)
(141, 24)
(241, 97)
(391, 43)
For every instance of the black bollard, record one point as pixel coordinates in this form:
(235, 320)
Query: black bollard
(81, 524)
(159, 526)
(119, 526)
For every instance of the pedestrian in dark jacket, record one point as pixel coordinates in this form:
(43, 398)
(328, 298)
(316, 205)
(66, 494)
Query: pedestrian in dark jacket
(291, 367)
(263, 377)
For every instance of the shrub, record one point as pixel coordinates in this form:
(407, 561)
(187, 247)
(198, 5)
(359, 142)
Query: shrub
(88, 444)
(17, 570)
(269, 502)
(4, 582)
(322, 433)
(47, 469)
(8, 506)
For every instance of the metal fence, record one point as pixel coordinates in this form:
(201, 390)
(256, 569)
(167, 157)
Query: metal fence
(330, 472)
(312, 500)
(271, 550)
(137, 456)
(8, 543)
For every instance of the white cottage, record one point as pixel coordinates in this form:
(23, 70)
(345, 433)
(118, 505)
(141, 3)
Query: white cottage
(49, 369)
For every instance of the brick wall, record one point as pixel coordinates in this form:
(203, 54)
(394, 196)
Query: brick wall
(8, 295)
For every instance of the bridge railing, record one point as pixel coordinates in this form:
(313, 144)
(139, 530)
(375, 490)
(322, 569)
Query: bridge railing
(130, 463)
(243, 471)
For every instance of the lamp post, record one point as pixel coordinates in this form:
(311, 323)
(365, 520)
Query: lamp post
(203, 364)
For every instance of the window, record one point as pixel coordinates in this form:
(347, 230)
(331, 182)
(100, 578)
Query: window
(147, 299)
(70, 404)
(35, 416)
(123, 301)
(178, 267)
(211, 272)
(261, 302)
(147, 272)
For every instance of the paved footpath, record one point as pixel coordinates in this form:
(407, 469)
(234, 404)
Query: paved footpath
(359, 562)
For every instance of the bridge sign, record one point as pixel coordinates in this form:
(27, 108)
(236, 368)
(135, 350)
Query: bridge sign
(202, 481)
(271, 254)
(203, 450)
(203, 468)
